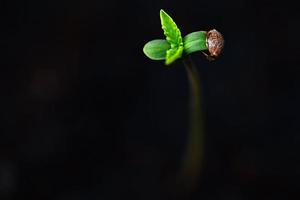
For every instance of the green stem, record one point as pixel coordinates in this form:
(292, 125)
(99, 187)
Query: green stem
(193, 157)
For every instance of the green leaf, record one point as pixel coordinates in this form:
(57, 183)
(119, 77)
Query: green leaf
(173, 36)
(156, 49)
(195, 41)
(173, 54)
(171, 30)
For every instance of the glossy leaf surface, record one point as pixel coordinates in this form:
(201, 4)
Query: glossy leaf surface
(156, 49)
(195, 41)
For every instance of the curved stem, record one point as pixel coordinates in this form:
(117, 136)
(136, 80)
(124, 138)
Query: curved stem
(193, 157)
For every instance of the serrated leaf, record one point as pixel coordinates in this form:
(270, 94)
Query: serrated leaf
(195, 41)
(156, 49)
(173, 54)
(171, 31)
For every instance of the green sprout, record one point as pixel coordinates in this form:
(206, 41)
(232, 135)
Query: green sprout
(171, 49)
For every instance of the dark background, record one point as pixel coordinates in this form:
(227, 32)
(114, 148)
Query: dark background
(85, 115)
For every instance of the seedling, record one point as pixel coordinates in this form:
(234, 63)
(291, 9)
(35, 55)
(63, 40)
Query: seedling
(175, 47)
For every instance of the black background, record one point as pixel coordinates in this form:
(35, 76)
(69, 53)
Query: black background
(85, 115)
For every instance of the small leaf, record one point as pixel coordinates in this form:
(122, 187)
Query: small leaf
(173, 54)
(156, 49)
(171, 30)
(195, 41)
(173, 36)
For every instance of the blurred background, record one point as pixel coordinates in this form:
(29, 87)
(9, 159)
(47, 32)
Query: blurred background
(85, 115)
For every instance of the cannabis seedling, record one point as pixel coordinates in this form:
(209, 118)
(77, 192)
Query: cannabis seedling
(175, 47)
(171, 49)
